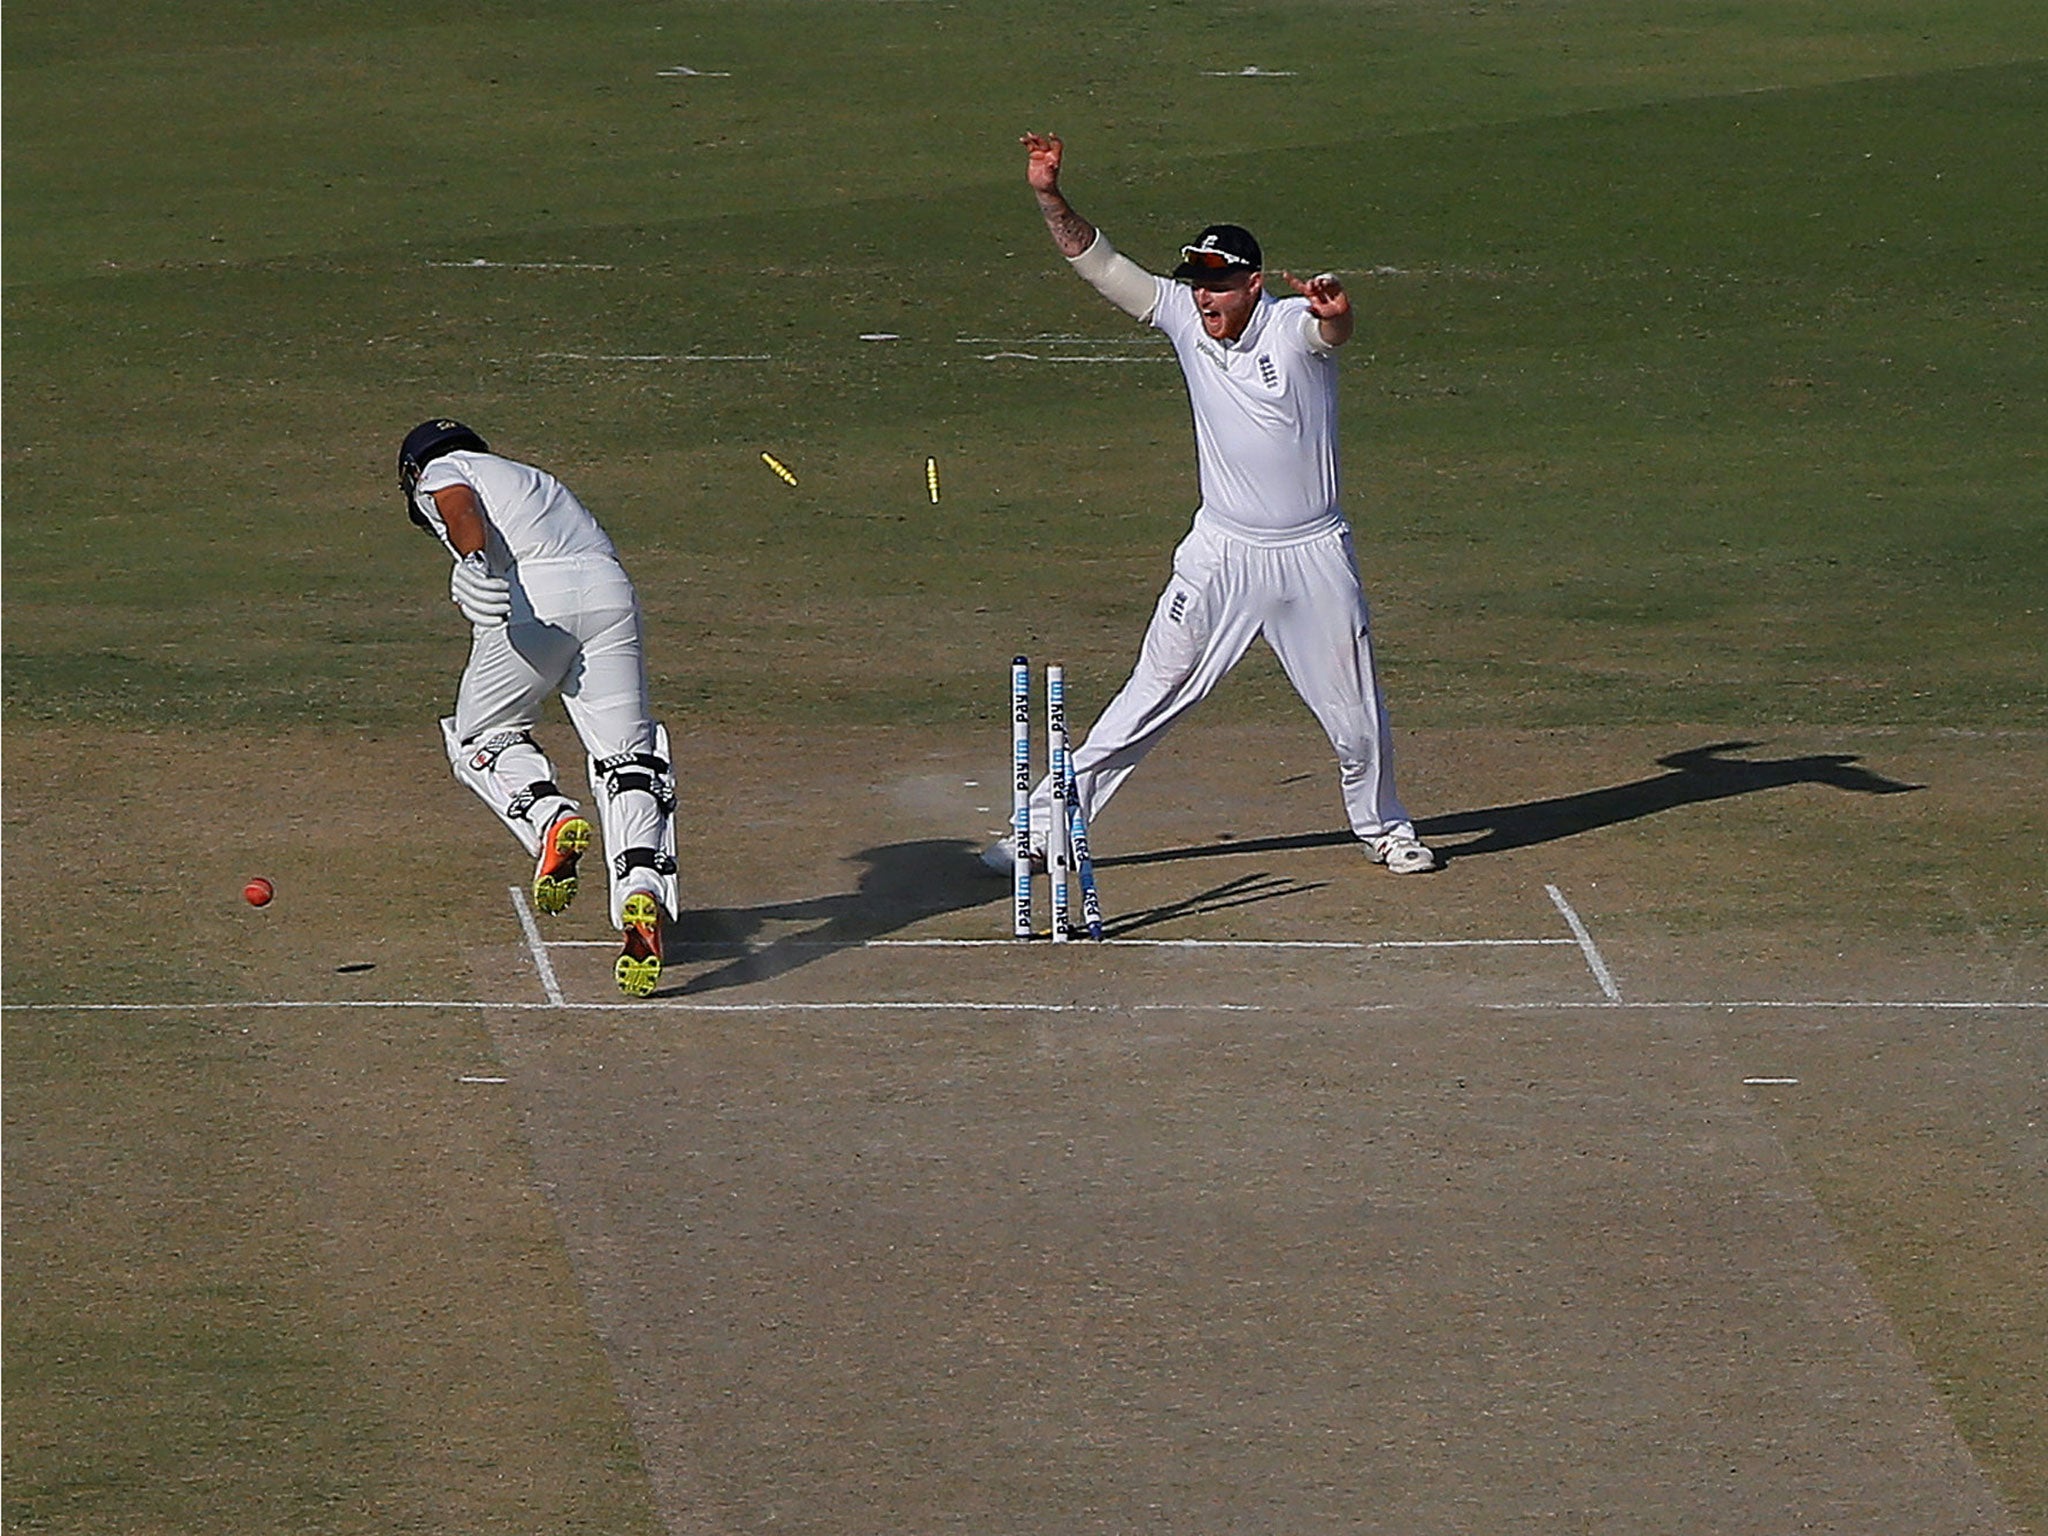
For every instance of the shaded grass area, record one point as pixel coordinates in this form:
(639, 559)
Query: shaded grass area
(1701, 381)
(1658, 411)
(541, 123)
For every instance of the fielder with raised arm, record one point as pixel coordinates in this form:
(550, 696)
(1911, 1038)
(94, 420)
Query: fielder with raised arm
(551, 611)
(1269, 553)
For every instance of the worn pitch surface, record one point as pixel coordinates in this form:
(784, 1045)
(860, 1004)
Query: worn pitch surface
(1484, 1227)
(1436, 1268)
(1378, 1204)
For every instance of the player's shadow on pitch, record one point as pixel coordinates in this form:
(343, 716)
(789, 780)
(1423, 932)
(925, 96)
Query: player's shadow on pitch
(1692, 777)
(899, 884)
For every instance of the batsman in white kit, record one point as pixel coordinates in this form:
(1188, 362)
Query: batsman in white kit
(551, 610)
(1269, 552)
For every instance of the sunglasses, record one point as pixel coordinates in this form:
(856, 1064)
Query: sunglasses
(1215, 261)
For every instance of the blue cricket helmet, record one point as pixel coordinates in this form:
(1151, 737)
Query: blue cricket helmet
(426, 443)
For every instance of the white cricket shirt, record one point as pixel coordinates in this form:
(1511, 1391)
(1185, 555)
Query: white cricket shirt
(531, 514)
(1265, 411)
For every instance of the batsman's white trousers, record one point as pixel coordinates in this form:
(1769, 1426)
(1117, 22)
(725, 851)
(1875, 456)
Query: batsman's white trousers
(574, 630)
(1305, 598)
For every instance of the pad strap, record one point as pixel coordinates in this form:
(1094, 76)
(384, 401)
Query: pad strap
(638, 770)
(631, 760)
(521, 804)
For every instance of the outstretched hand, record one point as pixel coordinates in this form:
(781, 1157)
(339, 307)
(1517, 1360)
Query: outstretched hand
(1042, 164)
(1326, 297)
(1070, 232)
(1329, 303)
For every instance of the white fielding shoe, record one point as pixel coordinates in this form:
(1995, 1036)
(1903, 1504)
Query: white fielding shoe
(1001, 856)
(1401, 855)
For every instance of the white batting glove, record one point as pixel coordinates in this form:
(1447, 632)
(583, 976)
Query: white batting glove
(482, 597)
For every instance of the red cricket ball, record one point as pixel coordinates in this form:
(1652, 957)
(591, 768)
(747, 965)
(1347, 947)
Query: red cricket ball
(258, 892)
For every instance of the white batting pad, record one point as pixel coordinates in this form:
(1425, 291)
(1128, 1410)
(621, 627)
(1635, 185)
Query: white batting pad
(500, 768)
(638, 819)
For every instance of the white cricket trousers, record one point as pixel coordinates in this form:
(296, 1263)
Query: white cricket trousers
(1305, 598)
(574, 630)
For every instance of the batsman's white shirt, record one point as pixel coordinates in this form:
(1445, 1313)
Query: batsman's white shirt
(531, 514)
(565, 574)
(1265, 409)
(574, 631)
(575, 625)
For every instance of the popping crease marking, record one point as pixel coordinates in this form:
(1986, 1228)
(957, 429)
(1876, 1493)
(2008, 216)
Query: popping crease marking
(536, 947)
(1676, 1005)
(1584, 939)
(1182, 944)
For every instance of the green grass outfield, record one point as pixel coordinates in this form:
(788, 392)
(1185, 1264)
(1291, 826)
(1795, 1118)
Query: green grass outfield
(1707, 384)
(1702, 378)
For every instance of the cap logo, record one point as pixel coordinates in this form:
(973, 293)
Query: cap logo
(1222, 249)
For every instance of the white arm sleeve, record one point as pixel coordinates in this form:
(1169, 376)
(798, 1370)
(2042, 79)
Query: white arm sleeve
(1117, 278)
(1312, 334)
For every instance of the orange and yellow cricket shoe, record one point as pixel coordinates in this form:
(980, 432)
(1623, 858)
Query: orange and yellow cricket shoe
(566, 840)
(639, 964)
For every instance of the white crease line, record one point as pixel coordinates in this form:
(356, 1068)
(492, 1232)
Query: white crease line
(1586, 945)
(528, 266)
(755, 946)
(536, 947)
(1955, 1005)
(1332, 943)
(945, 1005)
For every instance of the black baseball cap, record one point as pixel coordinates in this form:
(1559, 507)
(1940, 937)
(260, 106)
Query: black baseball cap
(1219, 251)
